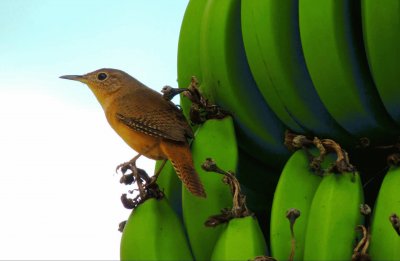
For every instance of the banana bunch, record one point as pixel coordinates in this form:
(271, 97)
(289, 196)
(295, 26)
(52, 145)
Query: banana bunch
(385, 238)
(320, 195)
(214, 139)
(154, 232)
(276, 65)
(279, 64)
(211, 48)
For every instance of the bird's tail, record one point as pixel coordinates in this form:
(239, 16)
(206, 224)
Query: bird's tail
(181, 158)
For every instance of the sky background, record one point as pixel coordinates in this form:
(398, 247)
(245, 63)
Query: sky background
(59, 194)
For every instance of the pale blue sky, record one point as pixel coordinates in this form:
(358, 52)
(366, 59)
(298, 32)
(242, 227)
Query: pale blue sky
(59, 196)
(42, 39)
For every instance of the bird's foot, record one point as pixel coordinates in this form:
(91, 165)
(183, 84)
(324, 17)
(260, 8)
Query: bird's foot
(124, 167)
(130, 178)
(138, 175)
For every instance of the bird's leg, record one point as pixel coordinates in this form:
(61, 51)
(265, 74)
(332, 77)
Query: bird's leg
(135, 173)
(138, 175)
(128, 165)
(155, 177)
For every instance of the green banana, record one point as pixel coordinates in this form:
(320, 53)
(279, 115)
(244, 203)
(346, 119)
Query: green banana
(189, 48)
(296, 188)
(214, 139)
(385, 242)
(242, 239)
(228, 82)
(154, 232)
(333, 217)
(381, 23)
(170, 185)
(334, 55)
(256, 18)
(272, 42)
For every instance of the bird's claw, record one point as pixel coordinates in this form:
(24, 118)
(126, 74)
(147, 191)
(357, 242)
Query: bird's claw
(124, 167)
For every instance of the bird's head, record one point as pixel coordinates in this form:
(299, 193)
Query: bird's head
(103, 82)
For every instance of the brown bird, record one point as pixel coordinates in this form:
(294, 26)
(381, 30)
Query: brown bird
(148, 123)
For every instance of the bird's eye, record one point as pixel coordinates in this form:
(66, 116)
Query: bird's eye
(101, 76)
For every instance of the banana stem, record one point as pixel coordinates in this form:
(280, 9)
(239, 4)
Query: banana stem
(360, 251)
(325, 146)
(292, 214)
(239, 208)
(294, 141)
(393, 159)
(201, 109)
(342, 161)
(395, 220)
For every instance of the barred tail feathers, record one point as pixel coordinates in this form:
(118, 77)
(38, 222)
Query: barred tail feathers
(181, 158)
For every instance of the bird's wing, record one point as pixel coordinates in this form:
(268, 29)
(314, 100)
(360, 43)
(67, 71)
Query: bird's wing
(163, 121)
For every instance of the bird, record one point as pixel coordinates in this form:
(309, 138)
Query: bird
(150, 124)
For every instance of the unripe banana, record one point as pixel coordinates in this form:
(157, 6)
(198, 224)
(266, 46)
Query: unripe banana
(381, 22)
(276, 59)
(242, 239)
(170, 185)
(154, 232)
(214, 139)
(189, 47)
(296, 188)
(385, 242)
(333, 217)
(228, 82)
(336, 61)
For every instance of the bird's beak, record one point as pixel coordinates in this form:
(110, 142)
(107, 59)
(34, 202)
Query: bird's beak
(79, 78)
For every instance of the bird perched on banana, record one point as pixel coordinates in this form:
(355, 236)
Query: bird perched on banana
(148, 123)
